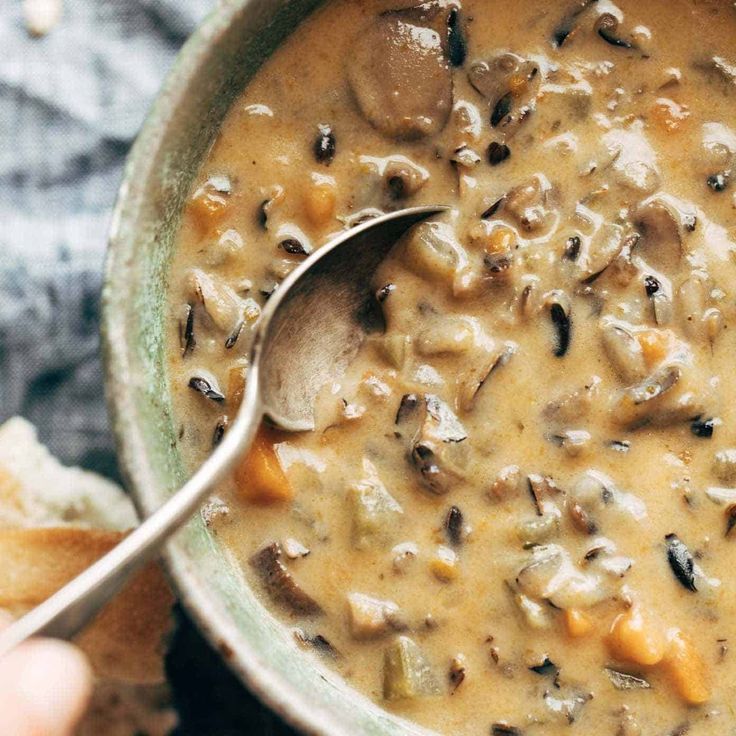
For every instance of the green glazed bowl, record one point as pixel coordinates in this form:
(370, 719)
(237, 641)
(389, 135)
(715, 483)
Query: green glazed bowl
(211, 70)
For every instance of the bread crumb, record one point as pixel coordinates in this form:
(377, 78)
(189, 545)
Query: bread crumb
(41, 16)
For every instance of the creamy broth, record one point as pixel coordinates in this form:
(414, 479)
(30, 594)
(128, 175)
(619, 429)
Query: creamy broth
(515, 513)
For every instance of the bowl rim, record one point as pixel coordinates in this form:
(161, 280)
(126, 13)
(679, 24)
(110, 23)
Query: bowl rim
(272, 688)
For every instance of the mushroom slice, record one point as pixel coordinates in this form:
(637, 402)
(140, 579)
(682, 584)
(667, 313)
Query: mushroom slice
(717, 150)
(224, 307)
(623, 349)
(666, 222)
(486, 360)
(400, 75)
(550, 575)
(432, 250)
(402, 177)
(607, 27)
(279, 582)
(511, 84)
(693, 304)
(645, 401)
(545, 493)
(598, 496)
(569, 23)
(598, 251)
(434, 433)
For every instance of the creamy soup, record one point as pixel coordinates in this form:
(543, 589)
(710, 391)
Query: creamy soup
(515, 514)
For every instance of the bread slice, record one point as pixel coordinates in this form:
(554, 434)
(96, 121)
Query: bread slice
(55, 521)
(37, 490)
(127, 641)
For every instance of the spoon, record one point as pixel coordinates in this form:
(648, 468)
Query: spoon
(309, 331)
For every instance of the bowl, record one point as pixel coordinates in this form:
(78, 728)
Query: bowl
(211, 70)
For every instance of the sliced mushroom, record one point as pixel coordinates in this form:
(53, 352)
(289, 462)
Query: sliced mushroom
(224, 307)
(593, 497)
(693, 301)
(717, 151)
(511, 84)
(549, 574)
(401, 177)
(623, 349)
(433, 251)
(639, 403)
(597, 251)
(280, 583)
(399, 72)
(545, 493)
(666, 222)
(433, 432)
(483, 361)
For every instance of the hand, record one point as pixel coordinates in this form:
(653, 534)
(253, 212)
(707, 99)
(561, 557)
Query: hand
(45, 686)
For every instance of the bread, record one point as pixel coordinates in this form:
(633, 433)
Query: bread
(127, 641)
(37, 490)
(55, 521)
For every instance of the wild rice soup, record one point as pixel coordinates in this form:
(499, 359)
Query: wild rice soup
(515, 514)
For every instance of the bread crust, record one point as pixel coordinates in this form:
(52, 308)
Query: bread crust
(127, 641)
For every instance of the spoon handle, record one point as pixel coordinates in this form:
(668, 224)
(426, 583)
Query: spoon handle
(72, 607)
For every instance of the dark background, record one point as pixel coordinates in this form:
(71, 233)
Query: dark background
(71, 103)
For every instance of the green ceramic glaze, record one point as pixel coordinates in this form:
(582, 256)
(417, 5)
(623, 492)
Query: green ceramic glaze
(212, 68)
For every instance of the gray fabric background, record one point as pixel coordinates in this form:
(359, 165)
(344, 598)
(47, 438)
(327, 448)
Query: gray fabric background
(70, 106)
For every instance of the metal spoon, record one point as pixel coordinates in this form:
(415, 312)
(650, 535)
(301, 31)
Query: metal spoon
(309, 331)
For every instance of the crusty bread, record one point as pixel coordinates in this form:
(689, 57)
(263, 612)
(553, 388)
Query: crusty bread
(127, 641)
(37, 490)
(54, 522)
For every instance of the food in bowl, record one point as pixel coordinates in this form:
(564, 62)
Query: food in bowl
(515, 513)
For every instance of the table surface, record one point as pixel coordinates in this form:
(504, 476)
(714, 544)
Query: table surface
(71, 104)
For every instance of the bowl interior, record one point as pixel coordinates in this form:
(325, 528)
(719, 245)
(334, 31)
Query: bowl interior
(211, 70)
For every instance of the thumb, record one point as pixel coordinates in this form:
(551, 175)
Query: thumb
(45, 686)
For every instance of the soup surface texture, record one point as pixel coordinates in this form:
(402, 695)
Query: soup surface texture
(515, 513)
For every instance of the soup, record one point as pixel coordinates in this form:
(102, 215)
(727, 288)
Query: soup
(515, 512)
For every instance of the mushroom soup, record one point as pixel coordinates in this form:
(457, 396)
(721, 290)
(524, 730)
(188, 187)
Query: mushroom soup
(515, 514)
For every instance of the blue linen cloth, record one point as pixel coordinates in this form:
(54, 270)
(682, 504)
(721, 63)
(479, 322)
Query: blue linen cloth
(71, 103)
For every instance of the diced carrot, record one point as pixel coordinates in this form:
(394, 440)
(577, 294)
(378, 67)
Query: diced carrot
(208, 205)
(577, 622)
(500, 240)
(655, 344)
(636, 637)
(259, 477)
(668, 115)
(236, 386)
(319, 200)
(518, 84)
(686, 669)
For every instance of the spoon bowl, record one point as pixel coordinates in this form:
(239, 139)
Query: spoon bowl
(308, 333)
